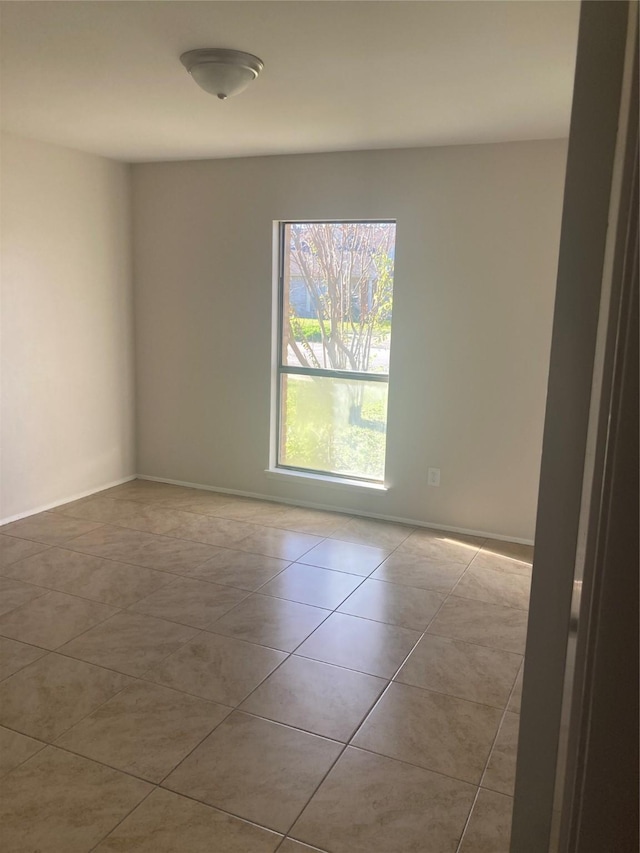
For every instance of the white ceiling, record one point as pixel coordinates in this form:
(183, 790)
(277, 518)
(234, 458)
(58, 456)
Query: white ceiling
(105, 77)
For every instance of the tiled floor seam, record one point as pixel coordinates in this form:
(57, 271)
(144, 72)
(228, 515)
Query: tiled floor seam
(65, 592)
(71, 595)
(24, 760)
(154, 785)
(345, 745)
(20, 669)
(237, 707)
(67, 545)
(484, 601)
(506, 570)
(416, 766)
(59, 650)
(450, 695)
(297, 841)
(288, 654)
(18, 538)
(93, 711)
(349, 743)
(114, 696)
(298, 563)
(186, 796)
(122, 819)
(172, 575)
(135, 679)
(233, 708)
(68, 751)
(392, 680)
(212, 630)
(502, 719)
(168, 535)
(45, 589)
(64, 546)
(152, 506)
(469, 598)
(94, 600)
(102, 763)
(468, 820)
(449, 595)
(377, 621)
(125, 497)
(493, 744)
(233, 500)
(471, 642)
(161, 786)
(295, 601)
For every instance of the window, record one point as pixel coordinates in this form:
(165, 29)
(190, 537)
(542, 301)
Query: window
(335, 300)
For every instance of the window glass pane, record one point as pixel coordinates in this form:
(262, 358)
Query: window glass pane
(337, 295)
(333, 425)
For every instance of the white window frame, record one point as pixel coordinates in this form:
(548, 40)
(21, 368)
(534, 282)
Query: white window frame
(276, 468)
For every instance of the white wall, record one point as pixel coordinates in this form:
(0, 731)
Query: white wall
(67, 325)
(477, 245)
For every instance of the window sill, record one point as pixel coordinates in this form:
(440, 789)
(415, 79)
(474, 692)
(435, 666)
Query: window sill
(326, 480)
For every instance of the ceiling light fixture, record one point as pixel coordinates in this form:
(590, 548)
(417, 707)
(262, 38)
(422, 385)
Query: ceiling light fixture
(222, 72)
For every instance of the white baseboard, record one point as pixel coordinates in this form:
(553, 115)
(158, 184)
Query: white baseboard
(66, 500)
(333, 508)
(413, 522)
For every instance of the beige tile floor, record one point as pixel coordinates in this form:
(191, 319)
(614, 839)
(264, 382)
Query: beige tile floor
(182, 670)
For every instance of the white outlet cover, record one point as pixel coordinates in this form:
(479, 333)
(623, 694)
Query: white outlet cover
(433, 476)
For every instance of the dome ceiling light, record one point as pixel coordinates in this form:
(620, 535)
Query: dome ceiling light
(222, 72)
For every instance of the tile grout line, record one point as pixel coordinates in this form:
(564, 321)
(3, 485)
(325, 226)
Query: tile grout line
(427, 632)
(128, 608)
(495, 740)
(62, 545)
(349, 742)
(383, 693)
(119, 610)
(235, 498)
(44, 744)
(469, 598)
(160, 784)
(175, 575)
(134, 679)
(346, 517)
(288, 654)
(344, 747)
(450, 695)
(282, 662)
(486, 765)
(84, 631)
(378, 701)
(468, 820)
(206, 806)
(169, 535)
(122, 820)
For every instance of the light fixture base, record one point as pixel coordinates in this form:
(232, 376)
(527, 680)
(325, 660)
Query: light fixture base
(220, 71)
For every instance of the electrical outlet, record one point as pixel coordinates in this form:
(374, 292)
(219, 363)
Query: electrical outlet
(433, 477)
